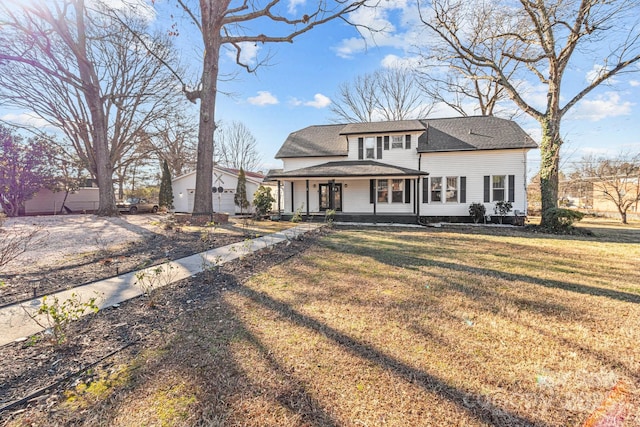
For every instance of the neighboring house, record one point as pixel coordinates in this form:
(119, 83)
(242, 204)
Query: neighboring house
(404, 171)
(225, 182)
(46, 202)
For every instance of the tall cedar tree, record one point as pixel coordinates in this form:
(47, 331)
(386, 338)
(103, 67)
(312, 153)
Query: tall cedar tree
(166, 191)
(240, 198)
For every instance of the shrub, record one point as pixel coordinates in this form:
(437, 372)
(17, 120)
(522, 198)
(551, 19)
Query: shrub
(477, 212)
(502, 208)
(56, 315)
(329, 216)
(263, 200)
(563, 219)
(297, 215)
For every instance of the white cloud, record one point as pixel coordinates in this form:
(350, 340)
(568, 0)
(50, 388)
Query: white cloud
(263, 98)
(293, 5)
(634, 83)
(134, 8)
(606, 105)
(596, 72)
(348, 47)
(248, 53)
(394, 61)
(319, 101)
(25, 119)
(394, 23)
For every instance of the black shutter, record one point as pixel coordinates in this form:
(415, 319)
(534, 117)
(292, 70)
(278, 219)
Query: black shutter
(372, 190)
(360, 148)
(407, 141)
(463, 189)
(425, 190)
(512, 188)
(407, 190)
(379, 147)
(386, 142)
(487, 189)
(293, 209)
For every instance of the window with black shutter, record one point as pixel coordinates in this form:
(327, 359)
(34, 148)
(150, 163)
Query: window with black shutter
(379, 147)
(407, 191)
(407, 141)
(360, 148)
(425, 190)
(512, 188)
(386, 142)
(487, 189)
(463, 189)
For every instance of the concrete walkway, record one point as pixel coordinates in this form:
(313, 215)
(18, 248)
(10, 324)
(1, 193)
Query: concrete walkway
(16, 324)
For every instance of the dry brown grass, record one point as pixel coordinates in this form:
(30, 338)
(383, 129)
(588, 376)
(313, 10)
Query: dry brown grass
(436, 327)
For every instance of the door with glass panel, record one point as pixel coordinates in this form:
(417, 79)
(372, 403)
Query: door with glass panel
(329, 200)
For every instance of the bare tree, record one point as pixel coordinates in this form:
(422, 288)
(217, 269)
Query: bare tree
(84, 74)
(616, 180)
(385, 95)
(537, 41)
(174, 139)
(223, 23)
(237, 148)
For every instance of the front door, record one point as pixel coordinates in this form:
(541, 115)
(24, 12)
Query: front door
(329, 199)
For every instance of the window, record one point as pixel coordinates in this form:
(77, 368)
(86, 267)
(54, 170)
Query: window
(397, 187)
(383, 191)
(369, 145)
(397, 142)
(498, 186)
(452, 189)
(436, 189)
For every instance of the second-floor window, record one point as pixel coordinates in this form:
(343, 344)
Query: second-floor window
(397, 141)
(370, 147)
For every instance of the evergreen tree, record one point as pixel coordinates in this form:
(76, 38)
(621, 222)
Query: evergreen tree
(240, 198)
(166, 191)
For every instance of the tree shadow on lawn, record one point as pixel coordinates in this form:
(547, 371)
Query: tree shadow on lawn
(476, 406)
(408, 261)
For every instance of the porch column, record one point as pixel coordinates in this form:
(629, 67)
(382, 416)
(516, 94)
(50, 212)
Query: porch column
(279, 195)
(332, 196)
(307, 200)
(293, 203)
(375, 200)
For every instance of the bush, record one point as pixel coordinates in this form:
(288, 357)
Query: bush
(563, 219)
(502, 208)
(477, 212)
(263, 201)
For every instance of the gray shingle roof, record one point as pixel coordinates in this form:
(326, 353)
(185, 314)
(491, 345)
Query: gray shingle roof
(451, 134)
(381, 127)
(472, 133)
(315, 141)
(347, 169)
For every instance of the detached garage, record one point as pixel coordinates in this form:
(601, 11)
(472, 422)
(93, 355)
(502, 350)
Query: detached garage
(225, 182)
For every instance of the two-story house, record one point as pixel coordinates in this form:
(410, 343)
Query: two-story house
(404, 171)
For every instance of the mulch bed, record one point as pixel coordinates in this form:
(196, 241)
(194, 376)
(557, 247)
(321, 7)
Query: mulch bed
(98, 341)
(153, 249)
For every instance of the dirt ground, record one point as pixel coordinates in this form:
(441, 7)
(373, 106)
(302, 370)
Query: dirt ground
(68, 251)
(37, 372)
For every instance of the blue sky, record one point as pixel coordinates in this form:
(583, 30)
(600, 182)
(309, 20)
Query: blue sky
(298, 86)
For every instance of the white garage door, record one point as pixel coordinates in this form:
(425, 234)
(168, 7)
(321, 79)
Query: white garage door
(223, 202)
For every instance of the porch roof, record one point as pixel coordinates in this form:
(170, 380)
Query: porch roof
(346, 169)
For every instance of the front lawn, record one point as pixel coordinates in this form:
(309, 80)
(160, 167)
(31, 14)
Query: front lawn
(402, 327)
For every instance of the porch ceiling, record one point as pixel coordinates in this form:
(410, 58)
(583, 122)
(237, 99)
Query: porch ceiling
(346, 169)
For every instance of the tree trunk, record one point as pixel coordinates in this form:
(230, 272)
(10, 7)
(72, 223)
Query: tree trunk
(549, 167)
(203, 199)
(91, 92)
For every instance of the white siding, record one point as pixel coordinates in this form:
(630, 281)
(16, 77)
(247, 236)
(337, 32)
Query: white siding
(45, 201)
(407, 158)
(474, 166)
(299, 163)
(183, 192)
